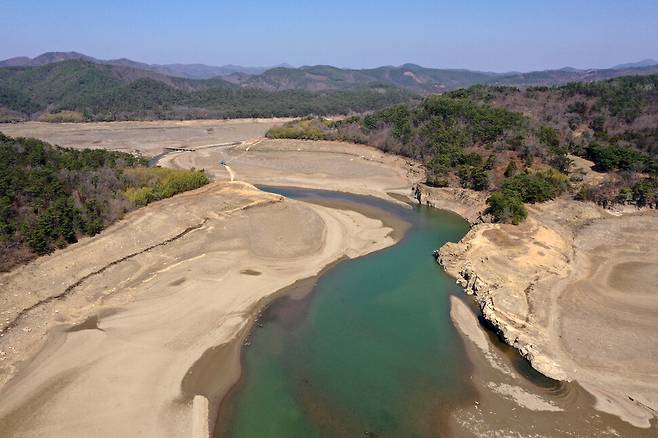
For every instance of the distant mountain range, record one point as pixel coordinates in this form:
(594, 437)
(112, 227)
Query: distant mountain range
(419, 79)
(77, 89)
(643, 63)
(122, 89)
(325, 77)
(189, 71)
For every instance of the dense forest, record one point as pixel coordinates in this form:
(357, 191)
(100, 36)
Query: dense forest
(51, 196)
(75, 87)
(78, 90)
(518, 143)
(418, 79)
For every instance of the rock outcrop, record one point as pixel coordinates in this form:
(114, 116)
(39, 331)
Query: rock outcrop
(500, 267)
(556, 288)
(469, 204)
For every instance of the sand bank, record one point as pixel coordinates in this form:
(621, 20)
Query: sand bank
(162, 286)
(334, 166)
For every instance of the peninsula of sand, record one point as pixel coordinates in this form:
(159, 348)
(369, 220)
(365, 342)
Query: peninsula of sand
(108, 336)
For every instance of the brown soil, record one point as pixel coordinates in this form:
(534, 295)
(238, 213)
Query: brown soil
(573, 289)
(147, 138)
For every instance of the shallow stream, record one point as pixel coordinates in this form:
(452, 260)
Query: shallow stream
(371, 351)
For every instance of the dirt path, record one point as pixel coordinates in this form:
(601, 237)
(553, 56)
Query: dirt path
(230, 172)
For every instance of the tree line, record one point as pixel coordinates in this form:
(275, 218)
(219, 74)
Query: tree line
(51, 196)
(479, 138)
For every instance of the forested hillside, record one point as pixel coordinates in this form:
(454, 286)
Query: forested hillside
(51, 196)
(190, 71)
(81, 90)
(75, 87)
(419, 79)
(325, 77)
(518, 143)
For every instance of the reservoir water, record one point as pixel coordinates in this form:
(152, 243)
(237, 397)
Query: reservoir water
(371, 351)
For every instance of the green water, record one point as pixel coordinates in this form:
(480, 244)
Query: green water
(370, 352)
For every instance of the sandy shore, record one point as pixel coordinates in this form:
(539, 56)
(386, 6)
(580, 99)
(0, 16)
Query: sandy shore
(311, 164)
(162, 287)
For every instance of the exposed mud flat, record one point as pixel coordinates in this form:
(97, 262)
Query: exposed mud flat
(147, 138)
(512, 400)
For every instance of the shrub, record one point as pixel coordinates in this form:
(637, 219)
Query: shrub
(536, 187)
(63, 117)
(609, 157)
(549, 136)
(437, 181)
(506, 207)
(148, 185)
(474, 177)
(511, 169)
(645, 192)
(140, 195)
(296, 132)
(558, 159)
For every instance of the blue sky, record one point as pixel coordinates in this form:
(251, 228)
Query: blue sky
(490, 35)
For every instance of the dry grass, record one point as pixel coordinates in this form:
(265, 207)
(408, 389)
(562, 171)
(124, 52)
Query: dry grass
(63, 117)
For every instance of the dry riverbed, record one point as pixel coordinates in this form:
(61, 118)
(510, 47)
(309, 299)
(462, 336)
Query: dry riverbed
(146, 138)
(310, 164)
(99, 339)
(118, 320)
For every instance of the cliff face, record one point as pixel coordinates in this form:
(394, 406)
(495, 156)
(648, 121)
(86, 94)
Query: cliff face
(469, 204)
(570, 289)
(502, 266)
